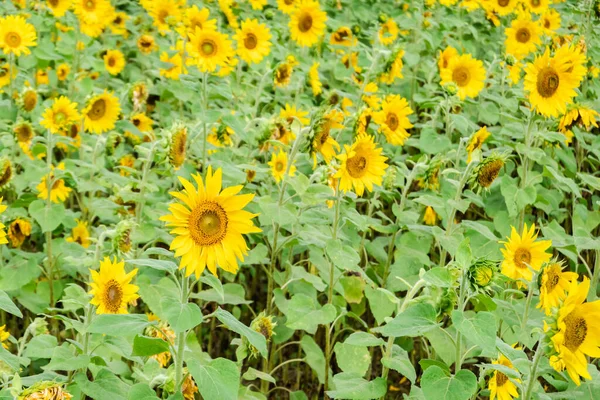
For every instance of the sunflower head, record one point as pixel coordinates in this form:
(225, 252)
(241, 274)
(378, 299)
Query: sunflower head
(429, 216)
(264, 325)
(177, 145)
(307, 23)
(524, 254)
(6, 172)
(24, 132)
(18, 231)
(467, 73)
(553, 283)
(320, 140)
(28, 100)
(500, 385)
(431, 177)
(101, 112)
(482, 274)
(486, 172)
(121, 241)
(111, 287)
(45, 390)
(17, 35)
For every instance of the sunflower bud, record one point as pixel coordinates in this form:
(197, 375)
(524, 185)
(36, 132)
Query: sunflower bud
(6, 172)
(121, 241)
(389, 179)
(383, 18)
(482, 273)
(269, 14)
(356, 29)
(112, 142)
(451, 88)
(39, 327)
(445, 300)
(431, 178)
(45, 390)
(177, 145)
(510, 59)
(264, 325)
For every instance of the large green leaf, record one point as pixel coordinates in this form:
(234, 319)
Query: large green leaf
(480, 328)
(351, 358)
(119, 324)
(7, 305)
(436, 384)
(305, 313)
(416, 320)
(353, 386)
(216, 379)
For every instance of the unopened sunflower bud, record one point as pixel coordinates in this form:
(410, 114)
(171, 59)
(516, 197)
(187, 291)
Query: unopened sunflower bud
(39, 326)
(482, 273)
(383, 18)
(446, 301)
(451, 88)
(389, 180)
(264, 325)
(510, 59)
(177, 145)
(121, 241)
(356, 29)
(112, 142)
(28, 100)
(269, 14)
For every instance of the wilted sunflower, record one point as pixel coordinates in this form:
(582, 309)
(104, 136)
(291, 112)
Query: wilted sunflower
(101, 112)
(393, 119)
(476, 142)
(307, 23)
(343, 37)
(278, 166)
(162, 330)
(578, 332)
(209, 227)
(114, 61)
(47, 390)
(165, 13)
(58, 7)
(578, 115)
(58, 191)
(29, 100)
(112, 288)
(486, 171)
(93, 15)
(177, 145)
(362, 165)
(196, 18)
(500, 385)
(551, 81)
(18, 230)
(322, 142)
(60, 115)
(16, 35)
(431, 177)
(467, 73)
(121, 241)
(253, 41)
(6, 172)
(314, 80)
(80, 234)
(146, 44)
(189, 387)
(554, 285)
(523, 253)
(522, 37)
(210, 49)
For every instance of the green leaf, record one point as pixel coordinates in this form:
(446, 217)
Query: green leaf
(216, 284)
(233, 293)
(436, 384)
(479, 328)
(463, 254)
(141, 391)
(181, 317)
(400, 362)
(161, 265)
(63, 359)
(351, 358)
(41, 346)
(364, 339)
(414, 321)
(353, 288)
(119, 324)
(50, 220)
(439, 276)
(380, 304)
(342, 256)
(255, 338)
(7, 305)
(314, 357)
(217, 379)
(147, 346)
(252, 374)
(303, 312)
(106, 386)
(353, 386)
(13, 361)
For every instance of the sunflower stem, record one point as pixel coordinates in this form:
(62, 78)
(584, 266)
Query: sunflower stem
(533, 371)
(525, 168)
(139, 207)
(181, 339)
(205, 110)
(48, 234)
(11, 67)
(527, 304)
(593, 293)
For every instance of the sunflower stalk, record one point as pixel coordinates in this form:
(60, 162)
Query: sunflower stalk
(139, 207)
(525, 166)
(47, 210)
(534, 366)
(181, 340)
(205, 111)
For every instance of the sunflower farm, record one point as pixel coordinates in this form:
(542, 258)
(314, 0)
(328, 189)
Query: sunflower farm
(299, 199)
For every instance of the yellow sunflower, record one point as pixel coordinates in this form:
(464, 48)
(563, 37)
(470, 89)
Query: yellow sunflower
(579, 115)
(112, 288)
(393, 70)
(62, 71)
(522, 253)
(551, 81)
(283, 74)
(80, 234)
(18, 231)
(177, 145)
(322, 141)
(307, 23)
(93, 15)
(445, 56)
(504, 7)
(196, 18)
(2, 232)
(5, 75)
(550, 21)
(117, 26)
(16, 35)
(388, 32)
(500, 385)
(287, 6)
(211, 49)
(4, 335)
(536, 6)
(430, 217)
(393, 119)
(142, 122)
(58, 7)
(58, 191)
(209, 227)
(476, 142)
(362, 165)
(127, 161)
(165, 13)
(24, 134)
(6, 172)
(554, 286)
(291, 113)
(114, 61)
(60, 115)
(314, 80)
(578, 333)
(343, 37)
(467, 72)
(176, 69)
(41, 77)
(522, 37)
(146, 44)
(279, 164)
(253, 41)
(257, 4)
(101, 113)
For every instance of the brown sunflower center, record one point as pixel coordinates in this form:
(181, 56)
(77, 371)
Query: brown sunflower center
(279, 166)
(24, 133)
(288, 2)
(111, 62)
(30, 101)
(136, 122)
(323, 137)
(536, 3)
(12, 39)
(392, 121)
(547, 82)
(89, 5)
(305, 22)
(3, 72)
(546, 23)
(522, 257)
(113, 296)
(489, 172)
(461, 76)
(208, 223)
(356, 166)
(162, 15)
(208, 47)
(97, 110)
(500, 379)
(552, 280)
(503, 3)
(575, 332)
(145, 42)
(118, 20)
(73, 131)
(283, 73)
(53, 3)
(250, 41)
(523, 35)
(6, 175)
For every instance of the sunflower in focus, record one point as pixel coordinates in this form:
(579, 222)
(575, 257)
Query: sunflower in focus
(578, 115)
(467, 73)
(211, 49)
(165, 13)
(362, 165)
(16, 35)
(111, 287)
(522, 37)
(253, 41)
(210, 225)
(60, 115)
(554, 286)
(18, 231)
(476, 142)
(278, 166)
(322, 141)
(58, 7)
(523, 253)
(500, 385)
(58, 191)
(114, 61)
(101, 113)
(551, 81)
(307, 23)
(393, 119)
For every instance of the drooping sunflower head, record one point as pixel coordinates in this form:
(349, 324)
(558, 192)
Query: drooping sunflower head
(211, 49)
(253, 41)
(431, 177)
(343, 36)
(500, 385)
(121, 241)
(210, 224)
(482, 274)
(111, 287)
(307, 23)
(393, 67)
(6, 172)
(177, 145)
(364, 119)
(80, 234)
(467, 73)
(553, 284)
(18, 231)
(321, 140)
(101, 113)
(46, 390)
(28, 100)
(579, 115)
(486, 172)
(429, 216)
(524, 254)
(16, 35)
(476, 142)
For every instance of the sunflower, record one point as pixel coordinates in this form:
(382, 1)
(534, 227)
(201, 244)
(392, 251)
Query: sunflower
(476, 142)
(93, 15)
(287, 6)
(5, 75)
(500, 385)
(283, 74)
(445, 56)
(24, 134)
(127, 161)
(74, 138)
(364, 119)
(393, 69)
(514, 72)
(162, 330)
(80, 234)
(209, 227)
(101, 113)
(322, 141)
(486, 171)
(351, 60)
(117, 26)
(253, 41)
(257, 4)
(177, 145)
(60, 115)
(58, 191)
(554, 285)
(536, 6)
(279, 164)
(41, 77)
(114, 61)
(112, 288)
(362, 165)
(393, 119)
(551, 81)
(146, 44)
(226, 7)
(18, 231)
(4, 335)
(523, 253)
(220, 136)
(210, 49)
(307, 23)
(45, 390)
(315, 81)
(430, 217)
(58, 7)
(522, 37)
(578, 332)
(176, 68)
(29, 100)
(16, 35)
(142, 122)
(188, 387)
(194, 17)
(550, 21)
(343, 37)
(578, 115)
(468, 74)
(291, 113)
(62, 71)
(165, 13)
(504, 7)
(6, 172)
(388, 32)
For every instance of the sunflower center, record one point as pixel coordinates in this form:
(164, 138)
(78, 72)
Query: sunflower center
(90, 5)
(6, 174)
(146, 43)
(24, 133)
(136, 122)
(60, 117)
(461, 76)
(392, 121)
(208, 47)
(250, 41)
(522, 258)
(552, 280)
(56, 184)
(30, 101)
(111, 62)
(113, 295)
(118, 20)
(73, 131)
(53, 3)
(500, 379)
(536, 3)
(3, 72)
(279, 166)
(98, 110)
(547, 82)
(503, 3)
(356, 166)
(162, 15)
(576, 331)
(208, 223)
(523, 35)
(305, 23)
(547, 23)
(288, 2)
(13, 39)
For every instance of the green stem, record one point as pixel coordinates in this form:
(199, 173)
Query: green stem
(527, 305)
(525, 168)
(458, 341)
(48, 234)
(592, 295)
(140, 204)
(259, 92)
(181, 339)
(533, 371)
(205, 130)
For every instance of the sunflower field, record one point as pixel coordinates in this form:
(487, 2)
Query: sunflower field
(299, 199)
